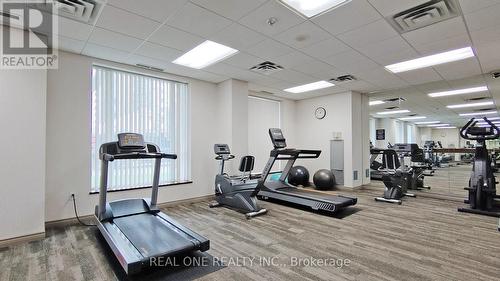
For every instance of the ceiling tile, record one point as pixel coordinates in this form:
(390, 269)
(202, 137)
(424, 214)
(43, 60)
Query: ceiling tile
(385, 48)
(243, 60)
(420, 76)
(486, 35)
(326, 48)
(444, 45)
(303, 35)
(347, 17)
(175, 38)
(158, 52)
(446, 29)
(105, 53)
(318, 68)
(483, 18)
(395, 57)
(382, 78)
(114, 40)
(237, 36)
(70, 44)
(372, 33)
(488, 56)
(391, 7)
(233, 9)
(351, 62)
(197, 20)
(470, 6)
(459, 69)
(293, 76)
(269, 49)
(158, 10)
(257, 20)
(359, 86)
(293, 59)
(126, 23)
(73, 29)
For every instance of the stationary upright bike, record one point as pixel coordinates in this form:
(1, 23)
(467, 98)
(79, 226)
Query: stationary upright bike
(236, 192)
(482, 189)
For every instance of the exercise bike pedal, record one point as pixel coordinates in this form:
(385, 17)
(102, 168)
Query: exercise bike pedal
(214, 204)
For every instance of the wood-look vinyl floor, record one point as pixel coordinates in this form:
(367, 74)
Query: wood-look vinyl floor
(422, 239)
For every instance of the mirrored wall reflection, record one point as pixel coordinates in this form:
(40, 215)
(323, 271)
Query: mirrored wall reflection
(446, 163)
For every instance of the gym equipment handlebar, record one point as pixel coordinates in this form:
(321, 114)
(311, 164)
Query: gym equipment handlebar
(467, 131)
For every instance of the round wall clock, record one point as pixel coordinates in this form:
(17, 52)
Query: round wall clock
(320, 113)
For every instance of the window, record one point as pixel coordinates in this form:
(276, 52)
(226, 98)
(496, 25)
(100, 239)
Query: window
(410, 137)
(156, 108)
(262, 115)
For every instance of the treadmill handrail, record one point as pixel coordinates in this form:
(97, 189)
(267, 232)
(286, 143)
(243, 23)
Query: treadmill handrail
(295, 153)
(137, 155)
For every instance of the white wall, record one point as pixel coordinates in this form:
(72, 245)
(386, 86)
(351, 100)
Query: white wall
(68, 139)
(345, 116)
(390, 127)
(22, 169)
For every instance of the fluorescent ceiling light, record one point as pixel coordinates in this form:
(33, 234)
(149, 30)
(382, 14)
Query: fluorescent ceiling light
(412, 118)
(376, 102)
(458, 54)
(493, 118)
(438, 125)
(478, 113)
(311, 8)
(427, 122)
(484, 123)
(446, 127)
(470, 104)
(309, 87)
(458, 92)
(393, 112)
(205, 54)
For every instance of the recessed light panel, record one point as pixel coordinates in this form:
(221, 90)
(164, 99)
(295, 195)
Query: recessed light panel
(376, 102)
(438, 125)
(427, 122)
(311, 8)
(309, 87)
(478, 113)
(205, 54)
(412, 118)
(475, 104)
(393, 112)
(431, 60)
(458, 92)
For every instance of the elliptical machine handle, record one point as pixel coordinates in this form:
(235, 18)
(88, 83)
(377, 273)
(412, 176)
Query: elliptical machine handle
(497, 130)
(463, 131)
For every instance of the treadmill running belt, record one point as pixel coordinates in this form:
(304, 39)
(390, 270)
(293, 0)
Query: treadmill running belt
(151, 236)
(315, 195)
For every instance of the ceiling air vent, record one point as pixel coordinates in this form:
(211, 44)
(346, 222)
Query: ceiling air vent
(266, 67)
(476, 99)
(392, 107)
(86, 11)
(495, 74)
(398, 99)
(424, 15)
(344, 79)
(149, 67)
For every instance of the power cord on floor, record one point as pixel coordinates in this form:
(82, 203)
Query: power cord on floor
(76, 213)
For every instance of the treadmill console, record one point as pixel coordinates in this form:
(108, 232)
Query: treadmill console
(277, 138)
(221, 148)
(405, 147)
(131, 141)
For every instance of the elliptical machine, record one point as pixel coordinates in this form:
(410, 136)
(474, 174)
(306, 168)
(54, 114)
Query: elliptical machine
(482, 189)
(236, 192)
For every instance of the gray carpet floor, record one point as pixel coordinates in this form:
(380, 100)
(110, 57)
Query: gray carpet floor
(422, 239)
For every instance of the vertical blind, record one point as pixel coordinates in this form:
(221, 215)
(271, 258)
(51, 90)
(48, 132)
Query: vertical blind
(156, 108)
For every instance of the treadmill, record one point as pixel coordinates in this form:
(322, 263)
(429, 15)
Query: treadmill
(283, 192)
(135, 229)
